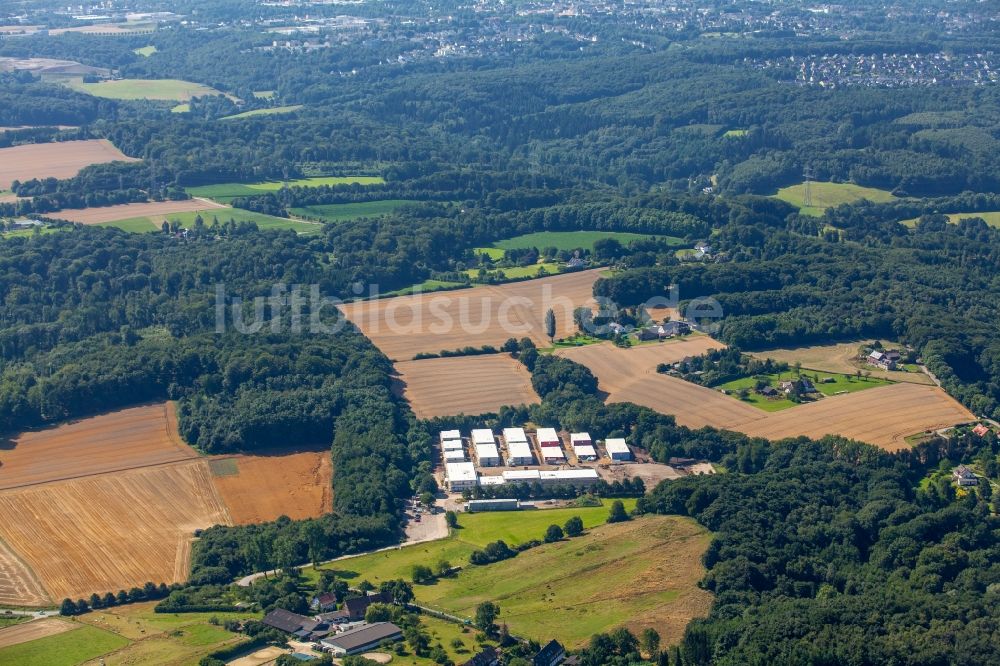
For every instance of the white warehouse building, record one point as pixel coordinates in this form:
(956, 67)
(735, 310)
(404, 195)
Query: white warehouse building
(460, 476)
(487, 455)
(483, 436)
(583, 446)
(519, 453)
(448, 435)
(618, 449)
(514, 435)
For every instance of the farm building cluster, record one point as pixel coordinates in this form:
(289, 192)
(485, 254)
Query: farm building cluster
(465, 459)
(338, 632)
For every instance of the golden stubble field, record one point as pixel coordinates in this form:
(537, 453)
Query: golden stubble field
(464, 384)
(405, 326)
(882, 416)
(62, 159)
(261, 488)
(129, 211)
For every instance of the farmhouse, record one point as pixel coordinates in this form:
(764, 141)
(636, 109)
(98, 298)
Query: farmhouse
(886, 360)
(618, 449)
(488, 657)
(460, 476)
(487, 455)
(672, 328)
(362, 639)
(980, 430)
(300, 626)
(357, 606)
(965, 477)
(552, 654)
(547, 437)
(474, 506)
(519, 453)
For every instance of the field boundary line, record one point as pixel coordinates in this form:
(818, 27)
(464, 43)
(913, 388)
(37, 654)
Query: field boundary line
(165, 463)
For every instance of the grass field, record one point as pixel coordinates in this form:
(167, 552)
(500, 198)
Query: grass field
(425, 287)
(276, 110)
(152, 223)
(145, 51)
(842, 358)
(571, 240)
(65, 649)
(735, 133)
(153, 89)
(181, 108)
(350, 211)
(226, 192)
(641, 573)
(840, 384)
(519, 272)
(827, 195)
(991, 218)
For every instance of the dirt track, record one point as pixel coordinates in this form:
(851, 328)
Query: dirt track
(128, 211)
(407, 325)
(107, 532)
(465, 384)
(129, 438)
(297, 485)
(62, 159)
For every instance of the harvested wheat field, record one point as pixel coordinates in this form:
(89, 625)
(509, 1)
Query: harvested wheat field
(29, 631)
(883, 416)
(62, 159)
(258, 489)
(642, 357)
(465, 384)
(18, 584)
(132, 210)
(840, 357)
(128, 438)
(405, 326)
(108, 532)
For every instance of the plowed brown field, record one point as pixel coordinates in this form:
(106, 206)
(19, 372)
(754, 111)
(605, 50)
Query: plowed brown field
(108, 532)
(29, 631)
(883, 416)
(18, 584)
(404, 326)
(465, 384)
(129, 438)
(62, 159)
(128, 211)
(298, 485)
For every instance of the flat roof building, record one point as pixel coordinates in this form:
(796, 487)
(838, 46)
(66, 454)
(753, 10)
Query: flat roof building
(483, 436)
(519, 453)
(547, 437)
(452, 445)
(618, 449)
(514, 435)
(472, 506)
(457, 455)
(553, 454)
(521, 475)
(585, 452)
(487, 455)
(491, 480)
(576, 477)
(460, 476)
(362, 639)
(580, 438)
(450, 434)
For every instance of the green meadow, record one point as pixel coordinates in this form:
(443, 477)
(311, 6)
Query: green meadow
(66, 649)
(350, 211)
(572, 240)
(840, 384)
(152, 89)
(827, 195)
(271, 111)
(226, 192)
(152, 223)
(145, 51)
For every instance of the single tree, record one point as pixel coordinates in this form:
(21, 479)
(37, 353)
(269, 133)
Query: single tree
(574, 526)
(550, 324)
(67, 607)
(650, 642)
(486, 617)
(451, 518)
(617, 514)
(553, 533)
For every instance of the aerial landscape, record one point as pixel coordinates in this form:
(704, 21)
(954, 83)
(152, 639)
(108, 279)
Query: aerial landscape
(498, 333)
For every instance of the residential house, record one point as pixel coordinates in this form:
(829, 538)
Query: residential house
(324, 602)
(769, 392)
(552, 654)
(886, 360)
(673, 327)
(965, 477)
(488, 657)
(980, 430)
(356, 607)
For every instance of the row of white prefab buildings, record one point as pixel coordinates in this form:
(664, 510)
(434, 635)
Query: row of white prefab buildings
(461, 473)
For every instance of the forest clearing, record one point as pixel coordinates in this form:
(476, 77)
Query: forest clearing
(261, 488)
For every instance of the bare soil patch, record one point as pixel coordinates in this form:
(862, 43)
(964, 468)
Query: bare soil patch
(465, 384)
(132, 210)
(108, 532)
(487, 315)
(297, 485)
(29, 631)
(128, 438)
(18, 584)
(62, 159)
